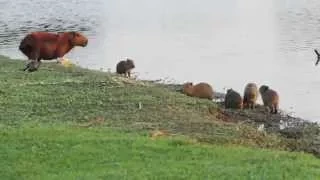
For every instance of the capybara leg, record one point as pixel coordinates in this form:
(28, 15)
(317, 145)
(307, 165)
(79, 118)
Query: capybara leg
(35, 54)
(27, 66)
(271, 109)
(275, 110)
(34, 65)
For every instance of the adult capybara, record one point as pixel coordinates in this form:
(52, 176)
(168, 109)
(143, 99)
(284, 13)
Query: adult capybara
(39, 46)
(233, 100)
(125, 67)
(250, 95)
(200, 90)
(270, 98)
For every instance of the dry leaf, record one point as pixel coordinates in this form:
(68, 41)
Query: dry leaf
(158, 133)
(66, 62)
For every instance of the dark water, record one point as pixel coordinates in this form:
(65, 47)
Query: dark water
(226, 43)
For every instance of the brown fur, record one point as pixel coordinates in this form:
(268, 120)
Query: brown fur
(270, 98)
(250, 95)
(200, 90)
(233, 100)
(125, 67)
(39, 46)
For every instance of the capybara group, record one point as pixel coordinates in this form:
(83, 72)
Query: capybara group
(250, 95)
(125, 67)
(270, 98)
(200, 90)
(39, 46)
(233, 100)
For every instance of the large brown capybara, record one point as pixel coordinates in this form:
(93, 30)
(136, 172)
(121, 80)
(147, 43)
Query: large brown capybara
(270, 98)
(201, 90)
(125, 67)
(39, 46)
(250, 95)
(233, 100)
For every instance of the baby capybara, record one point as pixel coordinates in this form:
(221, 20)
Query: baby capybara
(125, 67)
(250, 95)
(200, 90)
(232, 100)
(270, 98)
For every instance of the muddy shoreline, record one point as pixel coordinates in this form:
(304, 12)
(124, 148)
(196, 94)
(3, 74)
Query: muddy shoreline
(298, 133)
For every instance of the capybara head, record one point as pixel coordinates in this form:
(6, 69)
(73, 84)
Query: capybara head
(270, 98)
(233, 100)
(200, 90)
(129, 64)
(250, 95)
(187, 88)
(77, 39)
(229, 91)
(263, 89)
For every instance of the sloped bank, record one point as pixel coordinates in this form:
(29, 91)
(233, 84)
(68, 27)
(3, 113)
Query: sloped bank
(86, 98)
(297, 133)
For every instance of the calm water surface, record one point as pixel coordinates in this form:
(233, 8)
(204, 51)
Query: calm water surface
(226, 43)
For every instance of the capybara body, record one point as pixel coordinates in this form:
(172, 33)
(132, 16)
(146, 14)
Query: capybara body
(270, 98)
(250, 95)
(233, 100)
(125, 67)
(39, 46)
(201, 90)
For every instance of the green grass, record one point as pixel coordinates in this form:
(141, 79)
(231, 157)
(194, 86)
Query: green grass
(99, 153)
(73, 95)
(42, 135)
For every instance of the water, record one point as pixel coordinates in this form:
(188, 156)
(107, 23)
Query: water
(226, 43)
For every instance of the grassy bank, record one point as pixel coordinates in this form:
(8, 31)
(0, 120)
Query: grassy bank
(75, 123)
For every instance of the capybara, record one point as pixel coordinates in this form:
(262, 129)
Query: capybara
(200, 90)
(233, 100)
(39, 46)
(250, 95)
(270, 98)
(125, 67)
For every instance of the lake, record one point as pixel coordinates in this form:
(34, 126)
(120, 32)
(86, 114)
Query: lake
(225, 43)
